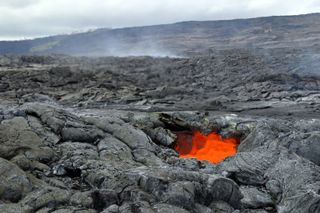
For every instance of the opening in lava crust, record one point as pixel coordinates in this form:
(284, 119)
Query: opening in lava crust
(211, 147)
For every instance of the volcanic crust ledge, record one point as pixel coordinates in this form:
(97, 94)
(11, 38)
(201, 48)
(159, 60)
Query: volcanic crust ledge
(55, 159)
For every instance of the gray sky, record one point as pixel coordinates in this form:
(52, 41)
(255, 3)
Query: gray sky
(33, 18)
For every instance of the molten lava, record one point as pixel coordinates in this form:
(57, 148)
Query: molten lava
(209, 147)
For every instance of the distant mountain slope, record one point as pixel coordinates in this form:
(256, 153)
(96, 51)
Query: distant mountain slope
(183, 38)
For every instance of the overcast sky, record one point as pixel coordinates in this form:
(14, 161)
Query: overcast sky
(33, 18)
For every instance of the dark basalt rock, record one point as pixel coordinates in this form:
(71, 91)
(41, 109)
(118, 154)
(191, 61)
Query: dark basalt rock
(254, 198)
(121, 169)
(122, 165)
(14, 182)
(99, 135)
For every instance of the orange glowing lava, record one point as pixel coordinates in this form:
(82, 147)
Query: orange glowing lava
(209, 147)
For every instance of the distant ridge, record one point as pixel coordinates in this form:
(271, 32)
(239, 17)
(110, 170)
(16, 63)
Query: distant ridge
(178, 39)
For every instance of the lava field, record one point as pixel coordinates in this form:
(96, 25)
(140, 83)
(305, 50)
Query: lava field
(231, 131)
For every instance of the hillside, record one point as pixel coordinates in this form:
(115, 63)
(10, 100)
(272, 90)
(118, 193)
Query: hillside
(180, 39)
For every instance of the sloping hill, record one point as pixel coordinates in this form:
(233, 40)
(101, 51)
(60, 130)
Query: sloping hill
(185, 38)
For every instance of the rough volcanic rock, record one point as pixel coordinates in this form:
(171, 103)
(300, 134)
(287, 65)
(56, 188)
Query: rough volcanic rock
(67, 160)
(97, 134)
(256, 81)
(14, 182)
(254, 198)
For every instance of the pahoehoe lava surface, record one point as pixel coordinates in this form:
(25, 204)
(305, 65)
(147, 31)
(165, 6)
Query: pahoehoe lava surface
(89, 135)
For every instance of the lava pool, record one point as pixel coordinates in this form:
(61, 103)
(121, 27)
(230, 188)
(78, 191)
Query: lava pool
(211, 147)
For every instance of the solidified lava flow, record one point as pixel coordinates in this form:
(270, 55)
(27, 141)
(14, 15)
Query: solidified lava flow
(211, 147)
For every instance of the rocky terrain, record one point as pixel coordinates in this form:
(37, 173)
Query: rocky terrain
(98, 134)
(275, 82)
(60, 160)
